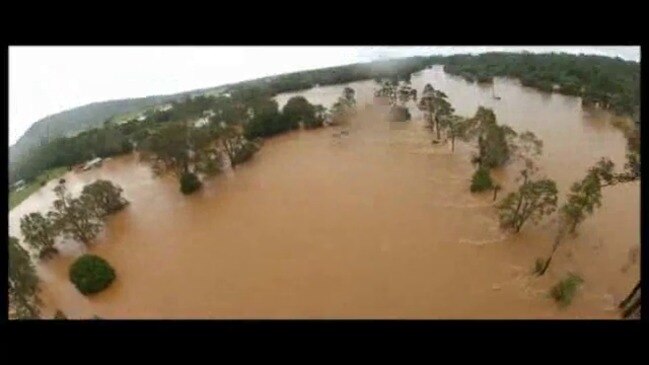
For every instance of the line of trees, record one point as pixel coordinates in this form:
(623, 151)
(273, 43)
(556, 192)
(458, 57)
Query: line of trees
(169, 140)
(535, 197)
(78, 218)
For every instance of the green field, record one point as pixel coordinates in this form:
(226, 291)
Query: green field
(16, 197)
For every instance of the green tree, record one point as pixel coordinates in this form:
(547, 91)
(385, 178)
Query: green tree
(91, 274)
(23, 283)
(344, 108)
(167, 149)
(604, 170)
(532, 201)
(583, 198)
(39, 232)
(75, 217)
(299, 110)
(105, 197)
(437, 110)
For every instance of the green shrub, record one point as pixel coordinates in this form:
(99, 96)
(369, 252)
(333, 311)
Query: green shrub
(481, 180)
(565, 290)
(91, 274)
(189, 183)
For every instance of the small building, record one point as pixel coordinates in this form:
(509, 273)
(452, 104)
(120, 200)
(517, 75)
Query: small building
(95, 162)
(19, 185)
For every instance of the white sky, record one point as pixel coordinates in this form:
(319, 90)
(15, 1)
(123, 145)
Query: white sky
(48, 80)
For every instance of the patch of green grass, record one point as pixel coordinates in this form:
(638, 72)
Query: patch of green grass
(565, 290)
(16, 197)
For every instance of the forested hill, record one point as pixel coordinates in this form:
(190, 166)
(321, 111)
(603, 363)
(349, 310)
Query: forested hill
(76, 120)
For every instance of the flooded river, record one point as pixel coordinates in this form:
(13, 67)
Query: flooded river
(376, 224)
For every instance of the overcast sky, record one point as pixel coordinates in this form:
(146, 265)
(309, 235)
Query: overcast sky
(48, 80)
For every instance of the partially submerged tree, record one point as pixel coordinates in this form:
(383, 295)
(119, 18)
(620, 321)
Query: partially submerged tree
(436, 108)
(630, 306)
(105, 197)
(532, 201)
(236, 147)
(167, 149)
(493, 139)
(455, 127)
(299, 110)
(75, 217)
(23, 283)
(583, 198)
(603, 169)
(344, 108)
(39, 232)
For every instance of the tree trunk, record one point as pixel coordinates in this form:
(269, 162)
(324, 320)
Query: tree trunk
(557, 241)
(632, 309)
(453, 148)
(631, 295)
(495, 193)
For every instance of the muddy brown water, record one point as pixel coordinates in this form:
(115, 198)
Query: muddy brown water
(375, 224)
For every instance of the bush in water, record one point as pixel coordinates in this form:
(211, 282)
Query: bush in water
(565, 290)
(481, 180)
(91, 274)
(399, 114)
(189, 183)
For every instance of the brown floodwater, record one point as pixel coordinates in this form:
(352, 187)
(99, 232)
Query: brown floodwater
(376, 224)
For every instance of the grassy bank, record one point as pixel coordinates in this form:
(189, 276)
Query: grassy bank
(16, 197)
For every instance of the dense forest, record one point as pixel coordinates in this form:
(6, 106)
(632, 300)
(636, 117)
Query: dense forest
(610, 83)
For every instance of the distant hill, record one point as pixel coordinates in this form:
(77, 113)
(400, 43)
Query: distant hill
(76, 120)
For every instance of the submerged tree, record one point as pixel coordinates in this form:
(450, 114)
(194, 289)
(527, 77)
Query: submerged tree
(493, 139)
(603, 169)
(75, 217)
(39, 232)
(299, 110)
(167, 149)
(532, 201)
(437, 110)
(630, 306)
(583, 198)
(23, 283)
(180, 149)
(344, 108)
(105, 197)
(455, 127)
